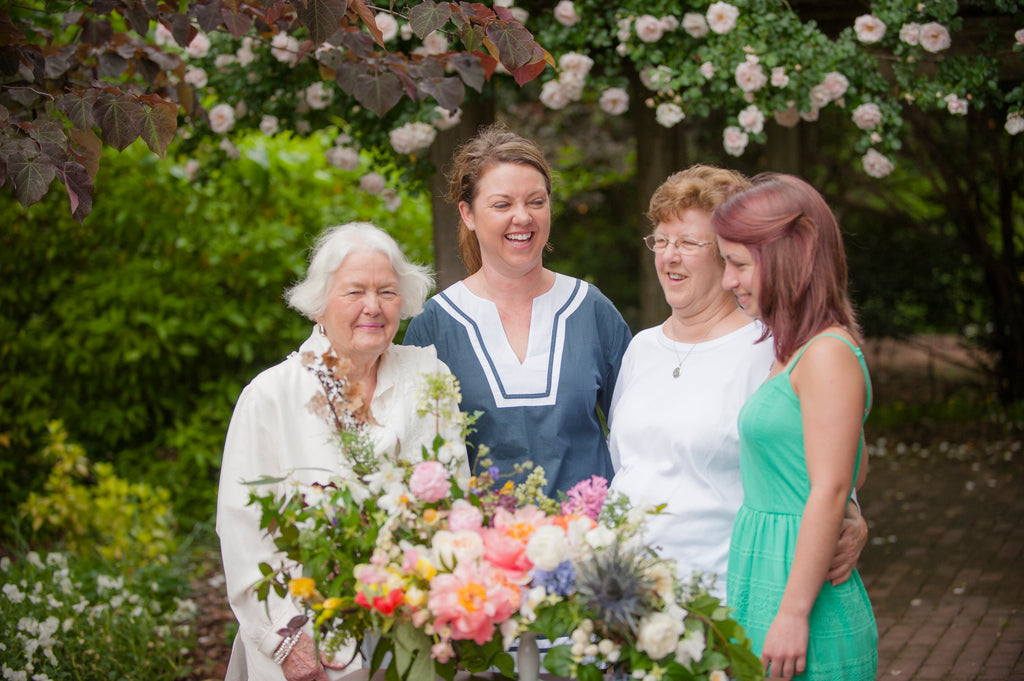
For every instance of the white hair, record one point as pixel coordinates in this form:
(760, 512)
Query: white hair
(309, 296)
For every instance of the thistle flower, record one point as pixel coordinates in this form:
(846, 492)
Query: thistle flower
(615, 586)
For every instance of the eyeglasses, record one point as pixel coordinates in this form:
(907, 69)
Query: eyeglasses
(685, 246)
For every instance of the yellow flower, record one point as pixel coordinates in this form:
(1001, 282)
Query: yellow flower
(302, 587)
(430, 516)
(425, 569)
(415, 596)
(332, 603)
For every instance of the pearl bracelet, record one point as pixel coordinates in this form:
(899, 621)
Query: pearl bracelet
(285, 649)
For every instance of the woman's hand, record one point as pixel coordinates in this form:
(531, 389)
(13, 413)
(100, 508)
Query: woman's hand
(303, 664)
(852, 539)
(785, 646)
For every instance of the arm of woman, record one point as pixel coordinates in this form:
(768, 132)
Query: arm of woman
(830, 384)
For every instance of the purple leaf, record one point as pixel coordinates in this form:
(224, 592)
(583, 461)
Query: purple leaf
(514, 43)
(80, 189)
(119, 120)
(79, 107)
(238, 23)
(31, 175)
(378, 94)
(470, 69)
(157, 125)
(322, 17)
(449, 92)
(428, 17)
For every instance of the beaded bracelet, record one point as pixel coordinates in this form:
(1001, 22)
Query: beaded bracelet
(285, 649)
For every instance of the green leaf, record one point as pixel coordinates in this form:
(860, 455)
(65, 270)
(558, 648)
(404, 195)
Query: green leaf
(412, 652)
(31, 175)
(321, 17)
(558, 661)
(428, 17)
(744, 665)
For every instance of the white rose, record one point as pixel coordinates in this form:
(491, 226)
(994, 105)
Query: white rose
(658, 635)
(614, 101)
(163, 35)
(750, 76)
(876, 164)
(1019, 36)
(867, 116)
(624, 29)
(565, 13)
(911, 33)
(779, 77)
(819, 96)
(222, 61)
(194, 76)
(547, 547)
(707, 69)
(734, 140)
(956, 105)
(446, 120)
(268, 124)
(345, 158)
(869, 28)
(691, 648)
(935, 37)
(600, 537)
(695, 24)
(435, 43)
(752, 119)
(553, 95)
(572, 85)
(199, 47)
(245, 55)
(1014, 123)
(648, 28)
(222, 118)
(835, 84)
(668, 114)
(318, 96)
(372, 183)
(575, 63)
(284, 48)
(722, 17)
(412, 137)
(387, 25)
(669, 23)
(457, 547)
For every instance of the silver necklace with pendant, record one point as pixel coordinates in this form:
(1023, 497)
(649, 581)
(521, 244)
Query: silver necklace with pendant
(679, 366)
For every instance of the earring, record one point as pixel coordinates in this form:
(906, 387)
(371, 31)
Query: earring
(320, 328)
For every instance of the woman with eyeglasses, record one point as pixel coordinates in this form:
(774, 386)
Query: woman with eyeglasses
(673, 437)
(537, 352)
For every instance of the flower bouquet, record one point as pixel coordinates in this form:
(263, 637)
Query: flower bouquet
(446, 572)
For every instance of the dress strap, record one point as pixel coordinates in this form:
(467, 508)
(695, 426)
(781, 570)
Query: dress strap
(860, 358)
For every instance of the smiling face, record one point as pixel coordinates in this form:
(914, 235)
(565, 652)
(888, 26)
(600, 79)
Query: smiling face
(742, 276)
(691, 282)
(511, 216)
(363, 306)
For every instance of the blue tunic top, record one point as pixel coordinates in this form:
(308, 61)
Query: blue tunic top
(542, 410)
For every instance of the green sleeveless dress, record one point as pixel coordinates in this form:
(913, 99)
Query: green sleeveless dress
(843, 643)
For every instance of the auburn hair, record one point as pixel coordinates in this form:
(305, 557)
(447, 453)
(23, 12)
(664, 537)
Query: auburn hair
(795, 241)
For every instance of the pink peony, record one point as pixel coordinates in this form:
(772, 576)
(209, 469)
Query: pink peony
(464, 516)
(471, 600)
(429, 481)
(505, 542)
(935, 37)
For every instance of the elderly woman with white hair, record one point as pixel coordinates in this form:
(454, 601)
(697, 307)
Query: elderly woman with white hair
(358, 287)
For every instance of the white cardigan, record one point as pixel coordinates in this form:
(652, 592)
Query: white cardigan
(273, 433)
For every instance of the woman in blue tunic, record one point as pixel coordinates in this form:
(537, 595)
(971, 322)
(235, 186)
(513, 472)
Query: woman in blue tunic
(535, 351)
(801, 438)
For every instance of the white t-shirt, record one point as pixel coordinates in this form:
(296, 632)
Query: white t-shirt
(674, 441)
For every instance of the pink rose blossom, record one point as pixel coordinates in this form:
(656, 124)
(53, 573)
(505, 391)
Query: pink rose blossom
(387, 25)
(505, 542)
(284, 48)
(268, 124)
(810, 116)
(435, 43)
(669, 23)
(867, 116)
(734, 140)
(911, 33)
(869, 29)
(553, 95)
(935, 37)
(565, 13)
(195, 76)
(614, 101)
(956, 105)
(222, 118)
(819, 96)
(787, 118)
(464, 516)
(722, 17)
(575, 63)
(345, 158)
(318, 96)
(750, 76)
(779, 77)
(1019, 36)
(707, 69)
(695, 24)
(429, 480)
(411, 137)
(372, 183)
(648, 28)
(442, 651)
(669, 114)
(163, 35)
(245, 55)
(199, 47)
(876, 164)
(835, 84)
(751, 119)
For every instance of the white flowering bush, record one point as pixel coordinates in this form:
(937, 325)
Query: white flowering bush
(756, 59)
(64, 618)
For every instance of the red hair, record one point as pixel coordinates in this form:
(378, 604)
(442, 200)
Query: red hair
(795, 241)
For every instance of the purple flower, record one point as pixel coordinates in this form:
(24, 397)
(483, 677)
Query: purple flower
(559, 581)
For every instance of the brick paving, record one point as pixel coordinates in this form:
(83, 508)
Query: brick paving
(944, 563)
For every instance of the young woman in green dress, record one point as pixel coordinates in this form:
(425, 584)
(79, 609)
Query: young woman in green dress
(801, 438)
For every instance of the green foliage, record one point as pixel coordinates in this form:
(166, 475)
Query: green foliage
(86, 508)
(139, 329)
(66, 618)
